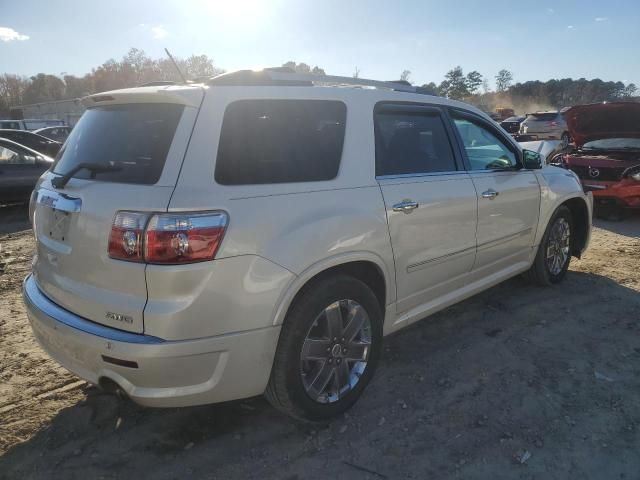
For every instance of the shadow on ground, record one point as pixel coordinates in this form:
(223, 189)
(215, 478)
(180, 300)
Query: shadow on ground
(629, 227)
(14, 218)
(515, 382)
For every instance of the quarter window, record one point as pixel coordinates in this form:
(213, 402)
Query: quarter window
(484, 150)
(412, 143)
(8, 156)
(280, 141)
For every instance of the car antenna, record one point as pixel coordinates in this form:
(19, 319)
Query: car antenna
(176, 65)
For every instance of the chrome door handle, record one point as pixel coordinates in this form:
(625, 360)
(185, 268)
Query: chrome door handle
(405, 206)
(490, 194)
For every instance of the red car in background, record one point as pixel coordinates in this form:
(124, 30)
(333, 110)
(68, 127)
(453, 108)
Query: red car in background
(607, 154)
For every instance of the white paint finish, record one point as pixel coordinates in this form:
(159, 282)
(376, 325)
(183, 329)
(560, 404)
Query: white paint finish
(279, 237)
(507, 223)
(213, 298)
(435, 241)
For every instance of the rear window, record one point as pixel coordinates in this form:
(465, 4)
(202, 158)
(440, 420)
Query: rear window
(279, 141)
(543, 117)
(134, 138)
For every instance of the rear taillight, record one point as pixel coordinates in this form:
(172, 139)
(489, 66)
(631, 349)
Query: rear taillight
(127, 235)
(184, 238)
(167, 238)
(553, 124)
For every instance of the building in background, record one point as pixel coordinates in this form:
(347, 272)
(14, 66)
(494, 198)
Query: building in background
(69, 111)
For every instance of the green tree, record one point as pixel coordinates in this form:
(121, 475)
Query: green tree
(44, 88)
(404, 76)
(303, 68)
(473, 80)
(455, 84)
(504, 79)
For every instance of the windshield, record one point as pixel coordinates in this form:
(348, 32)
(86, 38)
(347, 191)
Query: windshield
(613, 144)
(134, 137)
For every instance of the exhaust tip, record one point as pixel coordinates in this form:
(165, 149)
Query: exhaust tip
(109, 386)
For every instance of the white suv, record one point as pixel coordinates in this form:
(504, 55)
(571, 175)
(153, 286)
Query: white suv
(261, 233)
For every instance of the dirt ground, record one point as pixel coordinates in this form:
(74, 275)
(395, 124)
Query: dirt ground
(517, 382)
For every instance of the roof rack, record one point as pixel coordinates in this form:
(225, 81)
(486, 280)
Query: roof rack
(286, 77)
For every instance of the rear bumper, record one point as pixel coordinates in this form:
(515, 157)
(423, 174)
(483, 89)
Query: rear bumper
(166, 373)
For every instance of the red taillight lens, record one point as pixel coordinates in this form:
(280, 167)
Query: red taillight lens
(184, 238)
(553, 124)
(127, 235)
(166, 238)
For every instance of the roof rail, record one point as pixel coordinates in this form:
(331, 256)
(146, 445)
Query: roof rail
(285, 76)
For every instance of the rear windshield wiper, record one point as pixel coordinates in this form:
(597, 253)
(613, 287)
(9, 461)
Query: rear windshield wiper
(94, 168)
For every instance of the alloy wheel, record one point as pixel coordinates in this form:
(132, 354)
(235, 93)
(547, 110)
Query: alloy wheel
(558, 246)
(335, 351)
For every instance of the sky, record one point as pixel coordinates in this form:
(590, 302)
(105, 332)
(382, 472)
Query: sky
(535, 39)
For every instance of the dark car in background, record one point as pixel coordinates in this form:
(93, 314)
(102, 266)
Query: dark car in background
(512, 124)
(20, 169)
(606, 157)
(36, 142)
(59, 134)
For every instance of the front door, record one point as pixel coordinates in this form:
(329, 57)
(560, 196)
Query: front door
(430, 201)
(508, 195)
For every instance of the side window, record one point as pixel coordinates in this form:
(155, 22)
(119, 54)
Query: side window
(280, 141)
(412, 143)
(484, 150)
(8, 156)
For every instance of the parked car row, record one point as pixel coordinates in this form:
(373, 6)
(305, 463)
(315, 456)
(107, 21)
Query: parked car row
(25, 155)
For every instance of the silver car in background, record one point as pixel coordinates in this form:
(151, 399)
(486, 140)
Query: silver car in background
(546, 126)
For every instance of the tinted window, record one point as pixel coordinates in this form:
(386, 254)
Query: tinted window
(412, 143)
(134, 138)
(277, 141)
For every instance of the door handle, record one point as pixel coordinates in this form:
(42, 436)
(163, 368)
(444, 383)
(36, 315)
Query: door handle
(405, 206)
(490, 194)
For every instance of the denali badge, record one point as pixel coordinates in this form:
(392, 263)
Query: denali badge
(119, 317)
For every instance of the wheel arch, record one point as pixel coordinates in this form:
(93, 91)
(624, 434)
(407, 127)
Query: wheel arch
(581, 224)
(365, 266)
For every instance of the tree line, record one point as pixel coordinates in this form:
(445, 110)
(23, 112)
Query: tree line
(136, 68)
(531, 95)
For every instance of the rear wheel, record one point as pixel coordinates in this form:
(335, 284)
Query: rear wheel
(328, 349)
(554, 253)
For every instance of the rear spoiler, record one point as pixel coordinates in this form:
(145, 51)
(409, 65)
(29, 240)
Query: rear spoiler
(190, 96)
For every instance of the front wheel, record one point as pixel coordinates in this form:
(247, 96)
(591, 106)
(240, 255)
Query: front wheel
(328, 349)
(554, 253)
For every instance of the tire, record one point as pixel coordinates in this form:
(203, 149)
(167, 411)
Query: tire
(292, 388)
(541, 272)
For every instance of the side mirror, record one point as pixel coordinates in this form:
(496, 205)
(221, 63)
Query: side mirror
(531, 160)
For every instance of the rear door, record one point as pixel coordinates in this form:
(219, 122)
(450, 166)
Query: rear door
(145, 138)
(430, 201)
(508, 196)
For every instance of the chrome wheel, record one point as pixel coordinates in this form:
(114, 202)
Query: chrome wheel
(558, 246)
(335, 351)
